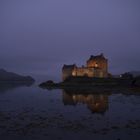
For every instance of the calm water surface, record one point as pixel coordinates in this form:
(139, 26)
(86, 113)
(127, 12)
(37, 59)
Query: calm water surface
(28, 113)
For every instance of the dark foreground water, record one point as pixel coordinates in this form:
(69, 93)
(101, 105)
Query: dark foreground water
(32, 113)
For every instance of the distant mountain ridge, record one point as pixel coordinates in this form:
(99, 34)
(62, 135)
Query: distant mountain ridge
(10, 76)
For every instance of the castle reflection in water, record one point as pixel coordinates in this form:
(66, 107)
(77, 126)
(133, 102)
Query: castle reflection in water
(95, 102)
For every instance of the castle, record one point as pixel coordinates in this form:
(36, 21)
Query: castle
(96, 66)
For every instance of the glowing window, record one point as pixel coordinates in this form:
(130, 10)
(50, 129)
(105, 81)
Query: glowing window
(96, 65)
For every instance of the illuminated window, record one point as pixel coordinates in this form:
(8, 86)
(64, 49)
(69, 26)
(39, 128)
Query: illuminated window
(96, 65)
(74, 73)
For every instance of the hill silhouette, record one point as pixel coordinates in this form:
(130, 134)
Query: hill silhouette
(11, 77)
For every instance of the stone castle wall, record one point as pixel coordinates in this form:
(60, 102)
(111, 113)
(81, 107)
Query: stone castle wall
(83, 71)
(97, 66)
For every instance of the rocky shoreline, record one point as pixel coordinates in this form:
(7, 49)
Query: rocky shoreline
(92, 83)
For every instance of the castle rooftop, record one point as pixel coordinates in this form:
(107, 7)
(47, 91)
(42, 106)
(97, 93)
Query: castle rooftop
(101, 56)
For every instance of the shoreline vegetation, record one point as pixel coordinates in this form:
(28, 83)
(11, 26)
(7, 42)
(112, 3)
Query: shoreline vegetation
(86, 83)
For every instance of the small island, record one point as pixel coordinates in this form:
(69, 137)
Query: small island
(94, 74)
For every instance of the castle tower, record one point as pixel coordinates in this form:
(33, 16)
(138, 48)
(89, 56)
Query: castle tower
(67, 71)
(100, 65)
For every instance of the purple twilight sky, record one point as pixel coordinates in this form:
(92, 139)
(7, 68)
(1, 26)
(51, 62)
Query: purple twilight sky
(38, 36)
